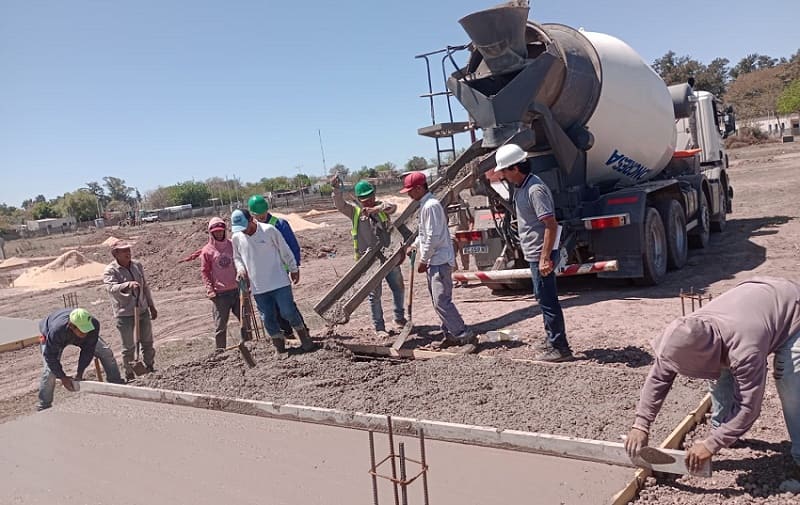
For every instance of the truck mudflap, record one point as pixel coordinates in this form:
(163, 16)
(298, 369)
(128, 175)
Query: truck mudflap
(525, 273)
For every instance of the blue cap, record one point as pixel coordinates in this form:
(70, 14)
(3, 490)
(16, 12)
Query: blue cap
(239, 221)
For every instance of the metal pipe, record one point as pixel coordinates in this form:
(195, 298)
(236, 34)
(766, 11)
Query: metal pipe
(525, 273)
(391, 456)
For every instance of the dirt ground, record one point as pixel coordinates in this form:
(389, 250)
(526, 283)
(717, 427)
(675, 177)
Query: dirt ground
(610, 325)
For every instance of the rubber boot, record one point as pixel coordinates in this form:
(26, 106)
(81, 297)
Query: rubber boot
(305, 339)
(280, 344)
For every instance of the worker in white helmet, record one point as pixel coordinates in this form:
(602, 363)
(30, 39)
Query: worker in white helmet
(537, 234)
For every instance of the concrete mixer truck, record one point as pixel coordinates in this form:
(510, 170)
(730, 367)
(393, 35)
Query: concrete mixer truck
(601, 129)
(637, 169)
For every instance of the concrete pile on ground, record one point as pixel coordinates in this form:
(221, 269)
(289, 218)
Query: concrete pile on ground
(13, 262)
(298, 223)
(72, 266)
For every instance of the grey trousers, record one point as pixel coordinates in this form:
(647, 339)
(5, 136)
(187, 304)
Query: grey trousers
(440, 287)
(224, 303)
(125, 327)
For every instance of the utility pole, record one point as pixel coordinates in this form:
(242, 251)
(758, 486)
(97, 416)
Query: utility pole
(324, 168)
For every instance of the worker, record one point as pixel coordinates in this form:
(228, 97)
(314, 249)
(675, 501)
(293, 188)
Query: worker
(129, 291)
(262, 257)
(728, 341)
(71, 327)
(219, 277)
(436, 259)
(259, 209)
(370, 229)
(537, 236)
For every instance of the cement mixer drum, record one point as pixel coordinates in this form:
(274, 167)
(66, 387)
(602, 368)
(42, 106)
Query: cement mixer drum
(588, 81)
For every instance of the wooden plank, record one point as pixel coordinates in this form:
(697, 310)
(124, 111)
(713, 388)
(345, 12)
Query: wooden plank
(19, 344)
(556, 445)
(629, 492)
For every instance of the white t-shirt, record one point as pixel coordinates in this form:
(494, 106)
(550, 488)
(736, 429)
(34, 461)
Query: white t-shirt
(265, 256)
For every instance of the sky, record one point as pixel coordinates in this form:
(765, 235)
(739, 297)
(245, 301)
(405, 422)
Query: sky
(162, 91)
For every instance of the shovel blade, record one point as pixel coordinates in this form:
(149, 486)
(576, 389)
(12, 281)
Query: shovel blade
(403, 336)
(246, 356)
(138, 368)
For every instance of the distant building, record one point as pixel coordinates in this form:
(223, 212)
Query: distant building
(52, 224)
(775, 125)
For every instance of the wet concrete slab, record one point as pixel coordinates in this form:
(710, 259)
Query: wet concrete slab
(13, 329)
(99, 449)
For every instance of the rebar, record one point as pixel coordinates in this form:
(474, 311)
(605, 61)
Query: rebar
(391, 456)
(373, 469)
(424, 463)
(403, 490)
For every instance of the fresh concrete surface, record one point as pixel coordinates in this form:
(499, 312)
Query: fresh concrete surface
(13, 329)
(104, 450)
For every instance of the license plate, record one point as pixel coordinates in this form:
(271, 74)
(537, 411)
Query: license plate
(475, 249)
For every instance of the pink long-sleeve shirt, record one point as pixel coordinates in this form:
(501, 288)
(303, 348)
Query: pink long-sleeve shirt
(217, 267)
(738, 330)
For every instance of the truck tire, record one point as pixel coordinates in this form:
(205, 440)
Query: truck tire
(700, 234)
(675, 227)
(654, 256)
(721, 221)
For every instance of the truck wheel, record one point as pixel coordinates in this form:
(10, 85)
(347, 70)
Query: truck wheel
(675, 226)
(700, 234)
(654, 257)
(720, 222)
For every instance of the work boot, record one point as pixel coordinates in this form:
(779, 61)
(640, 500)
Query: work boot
(305, 339)
(382, 334)
(553, 355)
(280, 344)
(150, 368)
(41, 407)
(466, 341)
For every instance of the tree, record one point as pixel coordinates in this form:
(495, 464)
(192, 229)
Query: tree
(39, 199)
(764, 61)
(386, 167)
(789, 99)
(117, 190)
(302, 181)
(340, 169)
(158, 198)
(675, 69)
(82, 205)
(97, 190)
(189, 193)
(745, 66)
(43, 210)
(416, 163)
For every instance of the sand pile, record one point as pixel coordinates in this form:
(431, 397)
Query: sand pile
(297, 223)
(401, 201)
(110, 240)
(71, 266)
(13, 262)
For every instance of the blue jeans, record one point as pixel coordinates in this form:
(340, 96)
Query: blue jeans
(47, 384)
(395, 281)
(786, 366)
(546, 292)
(440, 287)
(278, 300)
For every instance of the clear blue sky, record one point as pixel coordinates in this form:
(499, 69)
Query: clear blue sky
(161, 91)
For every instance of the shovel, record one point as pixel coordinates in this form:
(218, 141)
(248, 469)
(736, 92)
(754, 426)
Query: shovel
(245, 352)
(138, 367)
(401, 338)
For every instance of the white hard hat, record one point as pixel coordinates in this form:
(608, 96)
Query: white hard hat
(509, 155)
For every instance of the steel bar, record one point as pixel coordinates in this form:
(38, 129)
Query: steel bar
(391, 455)
(403, 490)
(424, 463)
(372, 468)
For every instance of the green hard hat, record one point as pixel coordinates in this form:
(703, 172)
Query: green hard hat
(364, 189)
(82, 320)
(257, 204)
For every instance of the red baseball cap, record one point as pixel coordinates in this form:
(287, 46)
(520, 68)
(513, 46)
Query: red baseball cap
(413, 180)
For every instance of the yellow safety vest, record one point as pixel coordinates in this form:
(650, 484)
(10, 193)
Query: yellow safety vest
(382, 217)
